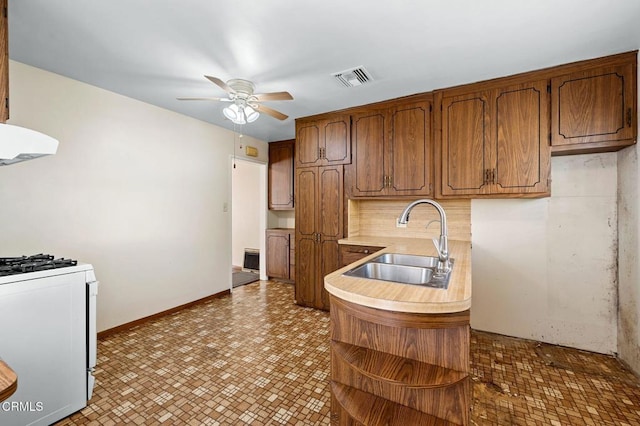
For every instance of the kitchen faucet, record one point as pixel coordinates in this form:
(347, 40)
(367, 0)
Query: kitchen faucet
(442, 246)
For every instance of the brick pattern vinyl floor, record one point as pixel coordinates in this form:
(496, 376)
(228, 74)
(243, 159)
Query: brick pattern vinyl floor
(256, 358)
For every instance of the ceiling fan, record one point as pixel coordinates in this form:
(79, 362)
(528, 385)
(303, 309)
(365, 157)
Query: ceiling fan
(246, 106)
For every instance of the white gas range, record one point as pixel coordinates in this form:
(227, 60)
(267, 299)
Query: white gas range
(47, 336)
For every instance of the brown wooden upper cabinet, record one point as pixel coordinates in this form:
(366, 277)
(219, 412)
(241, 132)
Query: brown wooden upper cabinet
(594, 110)
(4, 62)
(323, 142)
(392, 152)
(281, 175)
(495, 141)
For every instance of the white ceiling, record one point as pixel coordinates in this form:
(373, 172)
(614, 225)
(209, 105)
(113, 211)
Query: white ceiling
(157, 50)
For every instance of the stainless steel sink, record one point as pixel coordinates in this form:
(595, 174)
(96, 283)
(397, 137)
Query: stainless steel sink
(407, 259)
(404, 269)
(390, 272)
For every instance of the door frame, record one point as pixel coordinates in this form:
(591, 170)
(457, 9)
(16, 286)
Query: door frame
(262, 225)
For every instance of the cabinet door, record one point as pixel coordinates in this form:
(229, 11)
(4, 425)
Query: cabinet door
(366, 175)
(522, 152)
(337, 142)
(410, 149)
(323, 142)
(292, 255)
(306, 236)
(319, 215)
(308, 144)
(4, 62)
(465, 144)
(330, 206)
(330, 202)
(329, 255)
(352, 253)
(281, 175)
(277, 254)
(306, 271)
(593, 107)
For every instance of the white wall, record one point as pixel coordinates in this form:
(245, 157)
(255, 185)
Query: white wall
(545, 269)
(247, 209)
(282, 219)
(629, 248)
(136, 190)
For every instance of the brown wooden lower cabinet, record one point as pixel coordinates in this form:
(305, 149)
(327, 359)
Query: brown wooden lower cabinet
(281, 254)
(319, 216)
(350, 253)
(395, 368)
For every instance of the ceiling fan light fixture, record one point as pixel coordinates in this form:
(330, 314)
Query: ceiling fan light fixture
(239, 114)
(245, 105)
(251, 114)
(232, 112)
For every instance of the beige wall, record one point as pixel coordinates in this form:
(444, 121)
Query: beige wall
(247, 208)
(136, 190)
(545, 269)
(629, 249)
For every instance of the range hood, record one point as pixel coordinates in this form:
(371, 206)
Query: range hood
(21, 144)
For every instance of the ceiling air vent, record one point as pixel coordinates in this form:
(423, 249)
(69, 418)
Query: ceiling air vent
(353, 77)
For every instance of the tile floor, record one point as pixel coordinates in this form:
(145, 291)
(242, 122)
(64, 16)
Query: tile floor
(257, 358)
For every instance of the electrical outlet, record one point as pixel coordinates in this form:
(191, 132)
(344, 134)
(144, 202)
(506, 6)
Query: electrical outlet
(225, 207)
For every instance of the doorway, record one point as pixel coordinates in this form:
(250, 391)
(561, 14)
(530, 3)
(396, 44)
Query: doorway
(248, 215)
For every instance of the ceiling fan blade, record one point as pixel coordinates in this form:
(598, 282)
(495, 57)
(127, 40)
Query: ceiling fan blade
(274, 96)
(272, 112)
(204, 99)
(220, 83)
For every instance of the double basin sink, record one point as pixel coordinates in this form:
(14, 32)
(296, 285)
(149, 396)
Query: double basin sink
(404, 269)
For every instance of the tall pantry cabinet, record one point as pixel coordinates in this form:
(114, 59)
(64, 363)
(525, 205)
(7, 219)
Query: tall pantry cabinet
(322, 146)
(4, 62)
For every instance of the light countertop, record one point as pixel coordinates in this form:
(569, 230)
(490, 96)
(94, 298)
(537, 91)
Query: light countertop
(405, 297)
(8, 381)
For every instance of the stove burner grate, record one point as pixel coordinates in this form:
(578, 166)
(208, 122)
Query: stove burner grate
(36, 262)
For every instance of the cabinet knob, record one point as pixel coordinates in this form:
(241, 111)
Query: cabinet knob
(366, 251)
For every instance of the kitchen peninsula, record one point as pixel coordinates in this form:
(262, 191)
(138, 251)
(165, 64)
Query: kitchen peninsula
(403, 349)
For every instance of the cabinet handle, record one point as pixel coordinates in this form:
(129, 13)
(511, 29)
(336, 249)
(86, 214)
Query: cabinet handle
(384, 181)
(489, 176)
(390, 181)
(629, 117)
